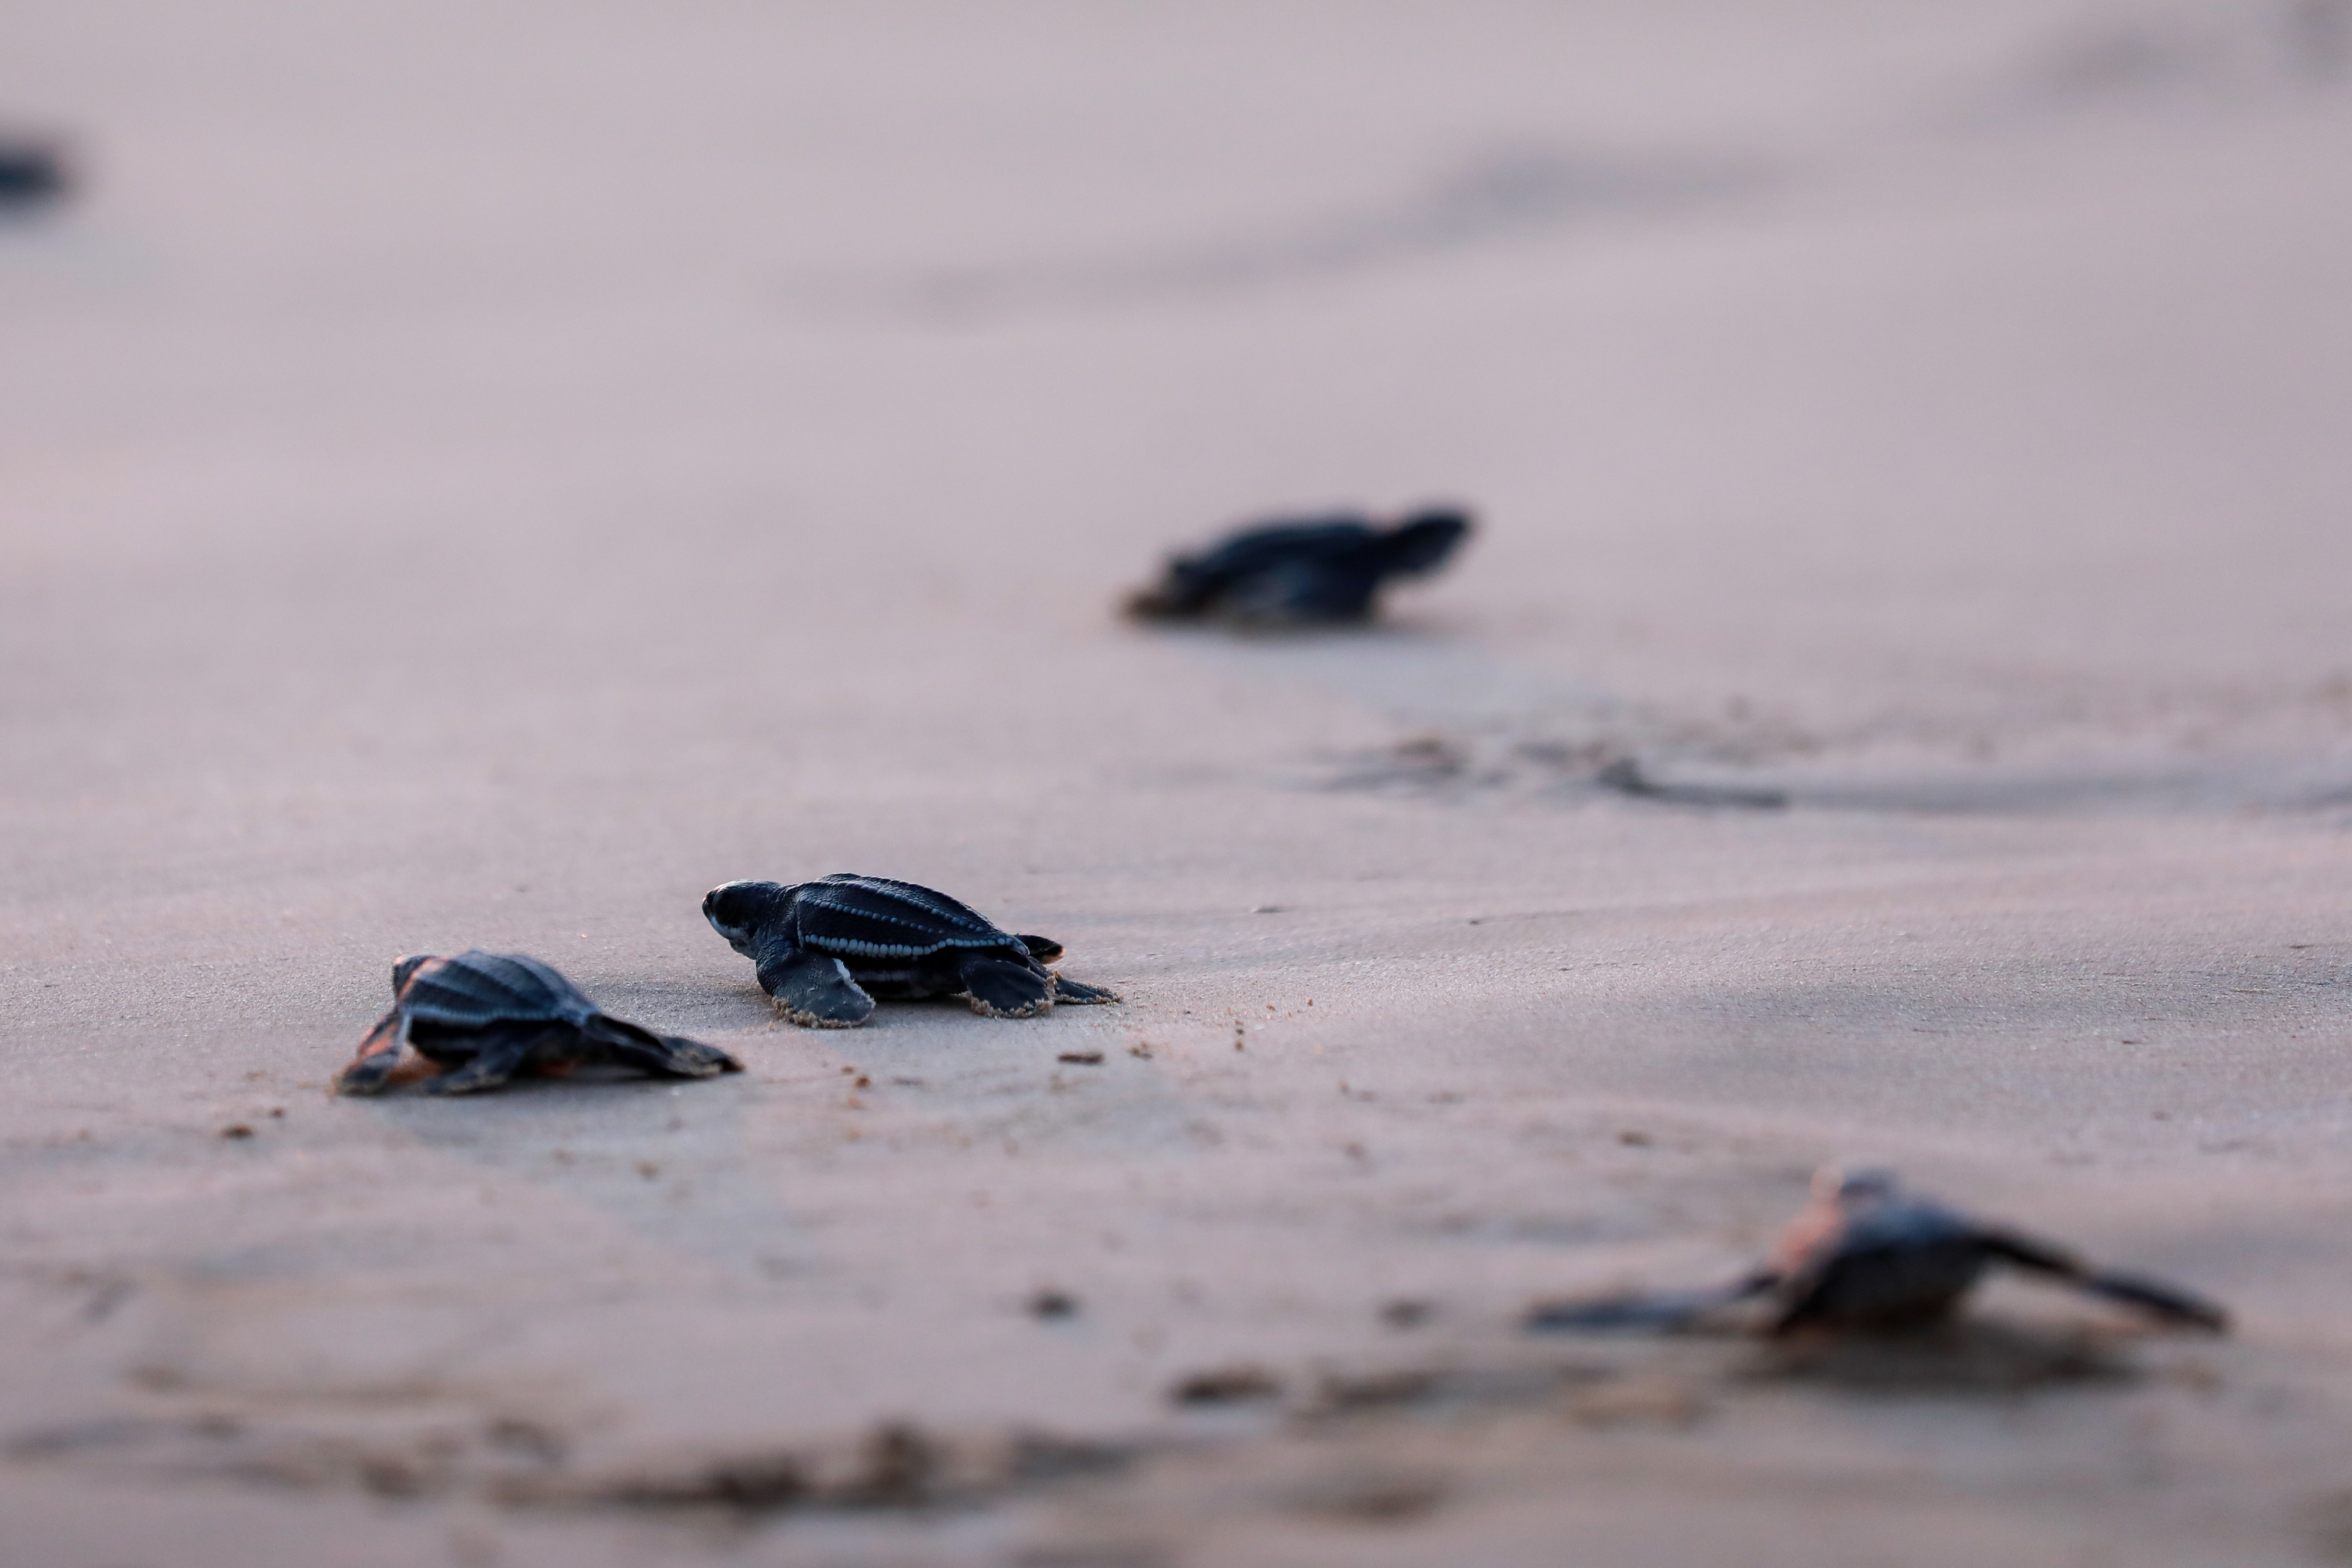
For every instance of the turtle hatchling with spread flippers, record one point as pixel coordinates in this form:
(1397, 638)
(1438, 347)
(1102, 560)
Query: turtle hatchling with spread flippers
(479, 1019)
(826, 950)
(1304, 571)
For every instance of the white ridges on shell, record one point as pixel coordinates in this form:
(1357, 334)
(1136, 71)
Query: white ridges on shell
(876, 917)
(478, 987)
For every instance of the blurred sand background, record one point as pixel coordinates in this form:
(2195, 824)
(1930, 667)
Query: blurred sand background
(482, 475)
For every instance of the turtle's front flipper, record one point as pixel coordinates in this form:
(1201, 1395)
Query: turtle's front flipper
(1004, 988)
(814, 991)
(371, 1070)
(663, 1055)
(2154, 1297)
(2157, 1299)
(503, 1051)
(1069, 993)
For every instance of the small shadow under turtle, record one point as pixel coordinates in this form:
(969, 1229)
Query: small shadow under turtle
(1972, 1355)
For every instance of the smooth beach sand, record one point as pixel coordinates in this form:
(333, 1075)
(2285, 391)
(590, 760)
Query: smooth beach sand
(483, 476)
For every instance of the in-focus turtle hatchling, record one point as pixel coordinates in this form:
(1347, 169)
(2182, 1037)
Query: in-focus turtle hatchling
(479, 1019)
(827, 949)
(1868, 1253)
(1300, 571)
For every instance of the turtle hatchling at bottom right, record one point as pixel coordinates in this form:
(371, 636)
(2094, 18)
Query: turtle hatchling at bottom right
(1866, 1253)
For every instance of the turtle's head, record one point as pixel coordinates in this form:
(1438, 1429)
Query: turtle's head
(404, 969)
(737, 910)
(1856, 1188)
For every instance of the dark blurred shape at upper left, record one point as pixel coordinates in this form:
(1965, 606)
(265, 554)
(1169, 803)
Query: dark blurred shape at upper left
(32, 170)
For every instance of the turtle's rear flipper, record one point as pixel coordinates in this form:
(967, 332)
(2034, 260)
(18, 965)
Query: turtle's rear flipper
(1001, 988)
(1072, 993)
(663, 1055)
(1658, 1312)
(1420, 543)
(814, 991)
(371, 1072)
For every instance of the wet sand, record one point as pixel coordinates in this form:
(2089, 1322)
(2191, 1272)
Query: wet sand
(484, 480)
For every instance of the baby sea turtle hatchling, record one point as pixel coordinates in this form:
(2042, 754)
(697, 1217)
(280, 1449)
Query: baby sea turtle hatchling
(479, 1019)
(1301, 571)
(1866, 1253)
(827, 949)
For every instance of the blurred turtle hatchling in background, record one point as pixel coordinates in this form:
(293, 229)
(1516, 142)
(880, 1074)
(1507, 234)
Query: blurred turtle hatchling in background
(1298, 572)
(1866, 1253)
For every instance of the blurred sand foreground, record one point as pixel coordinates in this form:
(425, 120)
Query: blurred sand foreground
(484, 475)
